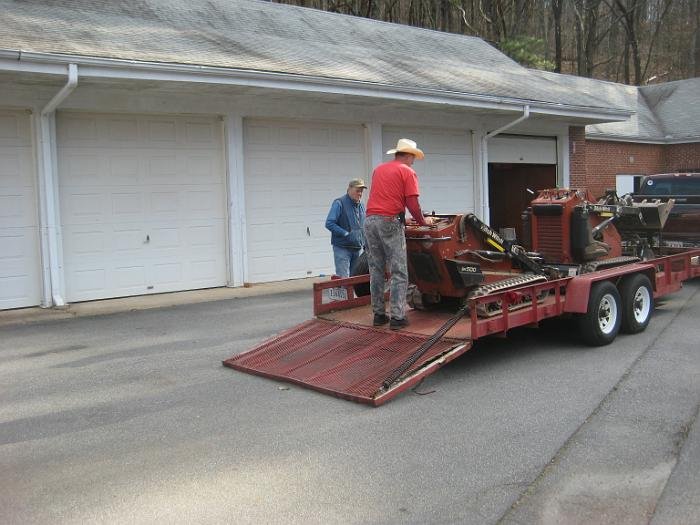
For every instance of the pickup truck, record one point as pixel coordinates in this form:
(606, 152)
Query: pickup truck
(682, 229)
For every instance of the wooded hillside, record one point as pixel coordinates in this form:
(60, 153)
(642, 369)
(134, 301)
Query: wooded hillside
(631, 41)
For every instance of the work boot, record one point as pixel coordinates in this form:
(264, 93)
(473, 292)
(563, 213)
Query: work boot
(397, 324)
(380, 319)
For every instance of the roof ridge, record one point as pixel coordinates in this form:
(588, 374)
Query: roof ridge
(372, 20)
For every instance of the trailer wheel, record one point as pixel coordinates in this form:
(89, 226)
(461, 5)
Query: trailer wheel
(601, 323)
(637, 303)
(361, 267)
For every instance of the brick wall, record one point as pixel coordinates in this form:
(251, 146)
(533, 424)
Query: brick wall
(605, 160)
(595, 163)
(681, 157)
(577, 156)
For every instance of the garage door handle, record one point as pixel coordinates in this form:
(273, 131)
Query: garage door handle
(148, 238)
(308, 231)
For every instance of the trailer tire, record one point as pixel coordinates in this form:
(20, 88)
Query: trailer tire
(601, 322)
(361, 267)
(637, 303)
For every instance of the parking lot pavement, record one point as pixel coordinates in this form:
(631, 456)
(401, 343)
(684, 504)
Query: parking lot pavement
(145, 302)
(131, 418)
(637, 456)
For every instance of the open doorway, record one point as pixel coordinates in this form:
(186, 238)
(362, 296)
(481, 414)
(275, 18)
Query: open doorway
(508, 191)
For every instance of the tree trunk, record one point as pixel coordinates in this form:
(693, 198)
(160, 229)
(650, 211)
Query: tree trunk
(696, 40)
(556, 11)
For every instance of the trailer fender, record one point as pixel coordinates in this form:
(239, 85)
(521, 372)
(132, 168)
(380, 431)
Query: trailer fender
(578, 289)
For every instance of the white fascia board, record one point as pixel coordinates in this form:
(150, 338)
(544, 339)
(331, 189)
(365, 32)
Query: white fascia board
(637, 140)
(95, 67)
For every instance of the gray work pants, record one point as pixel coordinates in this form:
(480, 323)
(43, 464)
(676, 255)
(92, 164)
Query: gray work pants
(386, 248)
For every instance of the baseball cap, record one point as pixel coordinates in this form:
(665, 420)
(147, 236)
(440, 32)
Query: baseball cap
(357, 183)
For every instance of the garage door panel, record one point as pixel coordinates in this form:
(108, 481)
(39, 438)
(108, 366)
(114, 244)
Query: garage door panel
(519, 149)
(205, 236)
(130, 277)
(293, 172)
(78, 130)
(20, 263)
(85, 283)
(13, 288)
(201, 169)
(204, 270)
(446, 175)
(16, 208)
(156, 208)
(122, 170)
(14, 129)
(164, 204)
(167, 273)
(88, 242)
(16, 170)
(200, 203)
(161, 169)
(127, 206)
(163, 132)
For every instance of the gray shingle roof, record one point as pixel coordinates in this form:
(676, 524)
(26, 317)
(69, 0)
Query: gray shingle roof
(261, 36)
(676, 106)
(667, 112)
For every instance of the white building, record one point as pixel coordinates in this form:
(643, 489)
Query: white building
(181, 145)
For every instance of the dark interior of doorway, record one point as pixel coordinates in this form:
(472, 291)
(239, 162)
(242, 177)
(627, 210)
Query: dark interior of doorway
(508, 191)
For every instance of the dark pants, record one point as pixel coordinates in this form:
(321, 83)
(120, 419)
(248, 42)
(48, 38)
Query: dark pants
(386, 247)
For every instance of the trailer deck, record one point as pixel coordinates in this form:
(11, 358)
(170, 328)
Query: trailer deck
(346, 360)
(340, 353)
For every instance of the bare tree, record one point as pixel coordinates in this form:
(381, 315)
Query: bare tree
(634, 41)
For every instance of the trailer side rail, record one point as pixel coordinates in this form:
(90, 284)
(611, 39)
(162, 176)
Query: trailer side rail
(528, 305)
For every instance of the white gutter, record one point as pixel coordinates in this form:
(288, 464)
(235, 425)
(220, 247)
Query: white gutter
(485, 205)
(97, 67)
(640, 140)
(524, 116)
(51, 223)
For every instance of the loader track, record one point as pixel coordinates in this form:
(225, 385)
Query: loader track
(505, 284)
(608, 263)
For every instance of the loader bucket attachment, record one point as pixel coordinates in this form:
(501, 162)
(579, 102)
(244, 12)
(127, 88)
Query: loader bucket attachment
(644, 216)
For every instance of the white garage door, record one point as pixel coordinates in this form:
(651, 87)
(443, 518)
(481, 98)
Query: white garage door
(293, 171)
(446, 175)
(519, 149)
(20, 281)
(142, 204)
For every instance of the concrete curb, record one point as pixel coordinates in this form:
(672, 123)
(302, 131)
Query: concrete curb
(144, 302)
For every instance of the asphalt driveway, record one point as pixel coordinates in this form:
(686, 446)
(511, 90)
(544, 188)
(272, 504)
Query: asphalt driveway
(131, 418)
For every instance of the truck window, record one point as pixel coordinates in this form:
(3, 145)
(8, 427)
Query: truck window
(675, 186)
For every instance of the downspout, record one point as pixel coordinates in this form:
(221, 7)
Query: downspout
(485, 205)
(47, 124)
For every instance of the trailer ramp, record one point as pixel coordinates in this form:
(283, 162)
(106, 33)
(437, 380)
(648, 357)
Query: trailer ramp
(346, 360)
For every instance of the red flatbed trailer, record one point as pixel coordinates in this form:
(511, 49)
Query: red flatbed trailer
(340, 353)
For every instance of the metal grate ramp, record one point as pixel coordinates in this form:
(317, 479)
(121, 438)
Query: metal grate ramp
(345, 360)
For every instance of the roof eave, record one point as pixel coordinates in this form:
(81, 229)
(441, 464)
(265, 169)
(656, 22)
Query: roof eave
(641, 140)
(99, 67)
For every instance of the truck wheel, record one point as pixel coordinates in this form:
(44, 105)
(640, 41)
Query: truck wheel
(361, 267)
(637, 303)
(601, 323)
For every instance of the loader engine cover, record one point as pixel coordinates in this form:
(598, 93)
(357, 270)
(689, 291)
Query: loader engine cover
(561, 223)
(464, 274)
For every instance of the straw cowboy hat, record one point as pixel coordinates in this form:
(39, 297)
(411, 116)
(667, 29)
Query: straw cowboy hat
(407, 146)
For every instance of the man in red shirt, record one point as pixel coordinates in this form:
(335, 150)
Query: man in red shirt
(394, 188)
